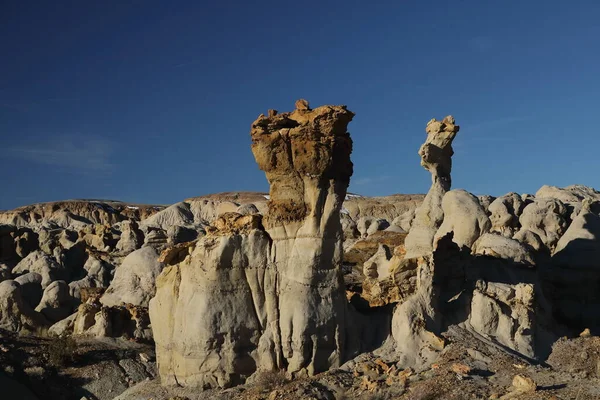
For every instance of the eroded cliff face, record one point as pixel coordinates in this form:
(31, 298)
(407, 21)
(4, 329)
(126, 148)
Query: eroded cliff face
(215, 313)
(265, 294)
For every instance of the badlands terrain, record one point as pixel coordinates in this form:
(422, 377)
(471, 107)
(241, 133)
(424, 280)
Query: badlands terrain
(306, 292)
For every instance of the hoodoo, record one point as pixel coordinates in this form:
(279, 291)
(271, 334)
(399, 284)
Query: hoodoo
(265, 293)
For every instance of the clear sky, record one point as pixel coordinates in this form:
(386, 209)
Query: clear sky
(152, 101)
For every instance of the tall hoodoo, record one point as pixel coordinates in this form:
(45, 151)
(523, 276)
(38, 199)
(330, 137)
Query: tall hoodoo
(436, 157)
(306, 157)
(260, 295)
(417, 319)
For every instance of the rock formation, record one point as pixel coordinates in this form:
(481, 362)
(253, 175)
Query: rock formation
(98, 274)
(15, 313)
(504, 214)
(308, 277)
(573, 276)
(46, 266)
(385, 207)
(484, 282)
(502, 247)
(306, 158)
(436, 157)
(56, 303)
(131, 237)
(570, 194)
(75, 213)
(266, 294)
(417, 319)
(94, 319)
(545, 217)
(506, 314)
(464, 216)
(134, 281)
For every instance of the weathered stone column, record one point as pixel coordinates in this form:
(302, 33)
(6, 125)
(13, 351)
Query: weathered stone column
(436, 157)
(306, 157)
(415, 320)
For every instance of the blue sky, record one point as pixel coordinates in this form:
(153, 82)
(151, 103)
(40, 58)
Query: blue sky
(152, 101)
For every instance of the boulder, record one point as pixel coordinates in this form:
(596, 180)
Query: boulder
(26, 241)
(405, 220)
(97, 275)
(358, 252)
(41, 263)
(127, 321)
(547, 218)
(99, 237)
(72, 258)
(464, 216)
(63, 327)
(389, 278)
(376, 267)
(485, 201)
(15, 314)
(369, 225)
(505, 313)
(134, 280)
(48, 239)
(532, 240)
(498, 246)
(156, 238)
(85, 317)
(56, 302)
(247, 209)
(579, 247)
(504, 214)
(131, 237)
(67, 238)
